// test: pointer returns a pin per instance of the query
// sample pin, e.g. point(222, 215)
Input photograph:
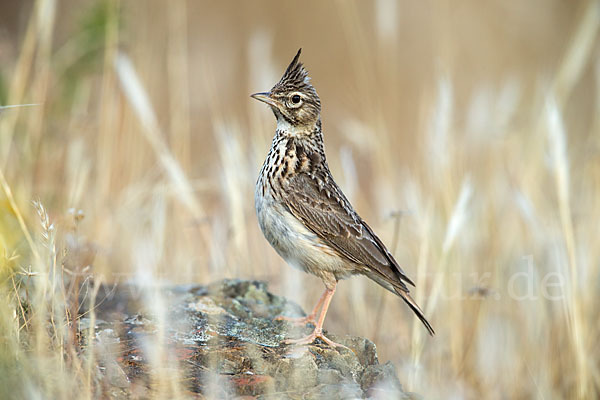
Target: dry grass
point(468, 135)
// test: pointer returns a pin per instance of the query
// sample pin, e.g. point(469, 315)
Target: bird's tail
point(416, 309)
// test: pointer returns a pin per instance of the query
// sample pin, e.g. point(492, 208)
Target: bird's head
point(293, 99)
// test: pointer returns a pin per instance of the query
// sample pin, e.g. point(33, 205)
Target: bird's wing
point(319, 203)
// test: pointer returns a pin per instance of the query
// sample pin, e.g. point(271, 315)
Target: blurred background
point(466, 133)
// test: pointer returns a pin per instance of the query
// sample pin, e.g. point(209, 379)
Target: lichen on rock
point(225, 343)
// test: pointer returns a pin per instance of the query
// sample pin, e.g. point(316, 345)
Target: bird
point(304, 214)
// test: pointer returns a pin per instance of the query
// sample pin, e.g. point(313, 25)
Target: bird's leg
point(309, 319)
point(318, 332)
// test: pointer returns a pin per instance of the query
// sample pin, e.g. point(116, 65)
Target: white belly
point(295, 243)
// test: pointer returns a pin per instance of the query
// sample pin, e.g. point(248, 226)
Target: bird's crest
point(295, 76)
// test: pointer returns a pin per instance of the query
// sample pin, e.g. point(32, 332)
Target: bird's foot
point(312, 337)
point(301, 321)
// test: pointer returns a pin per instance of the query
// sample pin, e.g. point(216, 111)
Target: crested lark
point(304, 214)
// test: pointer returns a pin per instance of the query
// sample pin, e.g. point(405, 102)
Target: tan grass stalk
point(139, 100)
point(20, 219)
point(576, 323)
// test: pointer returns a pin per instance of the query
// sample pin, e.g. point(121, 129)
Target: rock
point(222, 341)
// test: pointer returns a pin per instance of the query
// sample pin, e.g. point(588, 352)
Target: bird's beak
point(265, 97)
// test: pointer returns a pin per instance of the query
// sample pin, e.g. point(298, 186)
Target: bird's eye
point(296, 99)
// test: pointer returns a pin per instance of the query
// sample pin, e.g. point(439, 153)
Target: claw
point(311, 338)
point(318, 332)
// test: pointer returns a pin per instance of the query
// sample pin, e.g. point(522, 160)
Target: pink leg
point(318, 332)
point(309, 319)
